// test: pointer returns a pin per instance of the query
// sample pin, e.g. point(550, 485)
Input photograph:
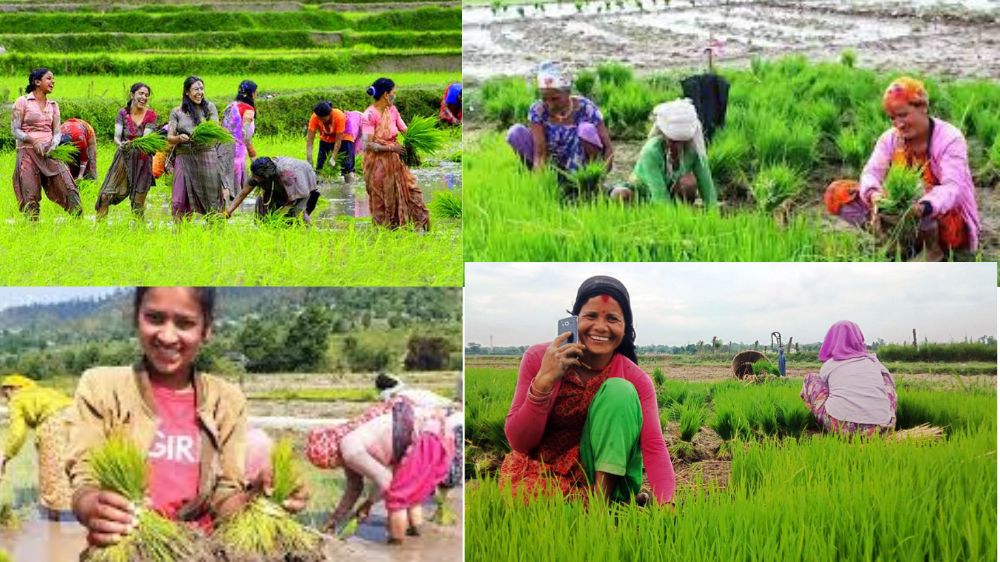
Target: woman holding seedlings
point(338, 130)
point(584, 415)
point(286, 184)
point(238, 118)
point(673, 164)
point(47, 412)
point(853, 392)
point(35, 126)
point(131, 172)
point(81, 134)
point(567, 130)
point(947, 211)
point(198, 178)
point(393, 195)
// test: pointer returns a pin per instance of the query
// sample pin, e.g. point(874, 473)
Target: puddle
point(38, 540)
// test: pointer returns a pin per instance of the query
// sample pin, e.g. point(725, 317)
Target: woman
point(393, 195)
point(584, 415)
point(198, 178)
point(47, 412)
point(568, 130)
point(81, 134)
point(338, 131)
point(405, 449)
point(238, 118)
point(451, 104)
point(35, 125)
point(286, 184)
point(192, 425)
point(853, 392)
point(673, 164)
point(131, 171)
point(947, 211)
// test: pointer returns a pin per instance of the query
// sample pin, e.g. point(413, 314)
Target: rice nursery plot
point(791, 128)
point(788, 491)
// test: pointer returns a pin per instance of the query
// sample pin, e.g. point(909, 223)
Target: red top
point(174, 457)
point(243, 108)
point(550, 433)
point(81, 133)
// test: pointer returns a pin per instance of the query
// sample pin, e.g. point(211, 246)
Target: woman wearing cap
point(286, 184)
point(451, 104)
point(853, 392)
point(238, 118)
point(673, 164)
point(567, 130)
point(47, 412)
point(584, 414)
point(949, 217)
point(393, 195)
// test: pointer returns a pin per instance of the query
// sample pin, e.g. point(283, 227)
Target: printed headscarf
point(844, 340)
point(550, 76)
point(907, 90)
point(678, 121)
point(604, 285)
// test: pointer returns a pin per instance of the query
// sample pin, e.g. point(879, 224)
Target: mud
point(959, 39)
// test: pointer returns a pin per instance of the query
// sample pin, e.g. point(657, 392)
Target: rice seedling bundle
point(727, 156)
point(210, 132)
point(775, 185)
point(902, 186)
point(65, 153)
point(765, 367)
point(692, 416)
point(148, 144)
point(614, 73)
point(422, 138)
point(119, 465)
point(585, 180)
point(263, 529)
point(627, 109)
point(852, 147)
point(446, 204)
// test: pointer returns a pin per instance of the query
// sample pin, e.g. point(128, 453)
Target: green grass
point(319, 395)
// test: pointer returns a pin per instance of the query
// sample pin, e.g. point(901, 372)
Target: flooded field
point(955, 39)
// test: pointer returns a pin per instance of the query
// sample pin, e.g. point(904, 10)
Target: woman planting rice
point(393, 195)
point(286, 184)
point(35, 124)
point(405, 449)
point(947, 212)
point(81, 134)
point(197, 175)
point(567, 130)
point(451, 104)
point(238, 118)
point(131, 171)
point(673, 164)
point(584, 414)
point(338, 130)
point(853, 392)
point(48, 412)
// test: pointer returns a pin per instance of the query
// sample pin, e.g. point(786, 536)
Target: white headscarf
point(678, 121)
point(551, 76)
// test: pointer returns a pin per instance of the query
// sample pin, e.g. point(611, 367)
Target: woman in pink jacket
point(949, 218)
point(584, 414)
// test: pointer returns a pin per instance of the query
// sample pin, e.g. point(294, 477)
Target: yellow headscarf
point(905, 89)
point(17, 381)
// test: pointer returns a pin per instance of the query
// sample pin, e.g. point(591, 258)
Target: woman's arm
point(955, 179)
point(706, 187)
point(119, 130)
point(352, 491)
point(310, 135)
point(16, 116)
point(239, 200)
point(541, 148)
point(248, 132)
point(232, 425)
point(91, 154)
point(172, 135)
point(608, 152)
point(527, 417)
point(877, 166)
point(655, 457)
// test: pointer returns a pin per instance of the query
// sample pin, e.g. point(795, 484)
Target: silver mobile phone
point(569, 325)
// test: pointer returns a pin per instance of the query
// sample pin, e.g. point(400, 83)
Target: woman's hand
point(106, 515)
point(184, 138)
point(40, 149)
point(296, 501)
point(398, 149)
point(557, 359)
point(252, 153)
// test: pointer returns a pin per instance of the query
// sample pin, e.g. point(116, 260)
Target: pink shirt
point(949, 161)
point(352, 126)
point(371, 117)
point(526, 420)
point(36, 122)
point(176, 451)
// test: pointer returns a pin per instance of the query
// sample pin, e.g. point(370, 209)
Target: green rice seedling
point(148, 144)
point(758, 66)
point(848, 58)
point(776, 139)
point(8, 517)
point(853, 148)
point(826, 116)
point(774, 185)
point(994, 154)
point(765, 367)
point(692, 417)
point(349, 529)
point(727, 157)
point(683, 450)
point(446, 204)
point(4, 557)
point(421, 139)
point(119, 465)
point(506, 100)
point(614, 74)
point(903, 185)
point(627, 110)
point(658, 377)
point(66, 153)
point(585, 83)
point(444, 514)
point(585, 181)
point(211, 132)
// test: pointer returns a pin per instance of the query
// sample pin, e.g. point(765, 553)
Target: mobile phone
point(569, 325)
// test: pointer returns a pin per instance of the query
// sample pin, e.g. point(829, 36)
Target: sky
point(17, 296)
point(681, 303)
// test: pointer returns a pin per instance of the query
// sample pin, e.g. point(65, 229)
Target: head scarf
point(17, 381)
point(604, 285)
point(550, 76)
point(454, 94)
point(678, 121)
point(907, 90)
point(844, 340)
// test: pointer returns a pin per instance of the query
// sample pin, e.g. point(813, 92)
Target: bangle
point(536, 396)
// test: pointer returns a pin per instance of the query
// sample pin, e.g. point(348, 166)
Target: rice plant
point(66, 153)
point(765, 367)
point(148, 144)
point(691, 418)
point(853, 148)
point(585, 181)
point(210, 133)
point(421, 139)
point(727, 156)
point(506, 100)
point(627, 108)
point(902, 186)
point(774, 185)
point(658, 377)
point(585, 83)
point(446, 204)
point(614, 74)
point(848, 58)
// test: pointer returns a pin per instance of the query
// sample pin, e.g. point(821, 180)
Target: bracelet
point(536, 396)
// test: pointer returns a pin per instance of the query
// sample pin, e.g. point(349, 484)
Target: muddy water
point(37, 541)
point(959, 40)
